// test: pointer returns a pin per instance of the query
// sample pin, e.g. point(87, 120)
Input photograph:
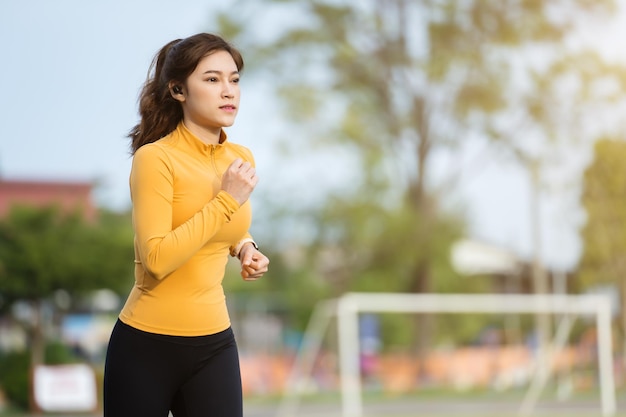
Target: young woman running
point(172, 348)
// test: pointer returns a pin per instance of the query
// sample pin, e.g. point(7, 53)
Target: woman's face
point(210, 98)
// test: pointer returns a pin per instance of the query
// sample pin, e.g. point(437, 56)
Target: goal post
point(347, 308)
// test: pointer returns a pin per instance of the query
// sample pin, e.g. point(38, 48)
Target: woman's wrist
point(236, 251)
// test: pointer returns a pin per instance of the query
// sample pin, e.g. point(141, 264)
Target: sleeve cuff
point(234, 252)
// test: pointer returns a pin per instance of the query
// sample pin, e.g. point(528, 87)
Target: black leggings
point(148, 375)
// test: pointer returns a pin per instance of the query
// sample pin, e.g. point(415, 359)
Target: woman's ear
point(176, 90)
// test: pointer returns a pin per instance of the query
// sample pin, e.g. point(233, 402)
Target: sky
point(72, 71)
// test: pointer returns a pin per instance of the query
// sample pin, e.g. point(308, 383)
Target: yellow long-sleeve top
point(185, 227)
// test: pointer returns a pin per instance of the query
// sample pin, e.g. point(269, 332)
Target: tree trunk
point(37, 348)
point(622, 321)
point(420, 279)
point(424, 323)
point(37, 336)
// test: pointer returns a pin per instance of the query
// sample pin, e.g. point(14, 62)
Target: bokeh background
point(412, 146)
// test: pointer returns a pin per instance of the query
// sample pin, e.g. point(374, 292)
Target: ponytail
point(160, 113)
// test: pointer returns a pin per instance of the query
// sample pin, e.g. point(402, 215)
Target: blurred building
point(505, 271)
point(68, 196)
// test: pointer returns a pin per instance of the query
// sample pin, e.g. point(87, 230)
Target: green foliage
point(15, 371)
point(43, 250)
point(288, 290)
point(604, 234)
point(14, 377)
point(363, 246)
point(396, 333)
point(604, 200)
point(110, 252)
point(58, 353)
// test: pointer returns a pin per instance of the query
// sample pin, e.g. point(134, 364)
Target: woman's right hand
point(239, 180)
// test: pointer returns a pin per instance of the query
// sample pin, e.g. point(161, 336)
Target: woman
point(172, 347)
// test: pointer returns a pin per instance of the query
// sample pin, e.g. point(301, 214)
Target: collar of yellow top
point(185, 135)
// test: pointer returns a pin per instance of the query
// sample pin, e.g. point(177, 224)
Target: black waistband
point(184, 340)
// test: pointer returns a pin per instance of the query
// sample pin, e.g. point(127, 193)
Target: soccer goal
point(347, 308)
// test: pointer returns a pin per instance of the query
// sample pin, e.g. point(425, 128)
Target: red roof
point(67, 195)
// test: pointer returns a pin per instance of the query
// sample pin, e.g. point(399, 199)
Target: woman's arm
point(161, 248)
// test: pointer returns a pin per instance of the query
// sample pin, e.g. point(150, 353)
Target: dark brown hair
point(160, 112)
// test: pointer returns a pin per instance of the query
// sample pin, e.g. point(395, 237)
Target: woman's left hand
point(253, 263)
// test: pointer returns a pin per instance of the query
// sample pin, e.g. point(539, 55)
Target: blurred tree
point(399, 83)
point(15, 371)
point(43, 250)
point(604, 233)
point(289, 290)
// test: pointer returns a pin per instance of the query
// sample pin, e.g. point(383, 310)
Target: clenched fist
point(239, 180)
point(253, 263)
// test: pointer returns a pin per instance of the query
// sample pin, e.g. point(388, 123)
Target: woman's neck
point(210, 136)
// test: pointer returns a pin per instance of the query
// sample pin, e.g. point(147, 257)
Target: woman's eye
point(235, 80)
point(212, 79)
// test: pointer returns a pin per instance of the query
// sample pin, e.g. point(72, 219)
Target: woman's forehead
point(219, 62)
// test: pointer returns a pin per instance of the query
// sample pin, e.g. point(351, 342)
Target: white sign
point(65, 388)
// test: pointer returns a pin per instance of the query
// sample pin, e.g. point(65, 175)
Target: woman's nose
point(227, 90)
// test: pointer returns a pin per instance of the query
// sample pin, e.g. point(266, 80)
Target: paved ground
point(443, 408)
point(440, 407)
